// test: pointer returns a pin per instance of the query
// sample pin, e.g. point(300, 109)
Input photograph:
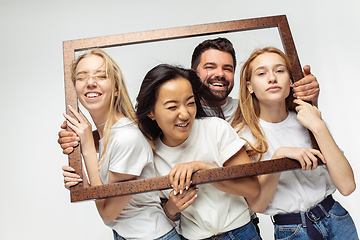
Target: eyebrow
point(277, 65)
point(174, 101)
point(85, 72)
point(212, 63)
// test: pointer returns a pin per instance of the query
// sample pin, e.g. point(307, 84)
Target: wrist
point(173, 216)
point(318, 127)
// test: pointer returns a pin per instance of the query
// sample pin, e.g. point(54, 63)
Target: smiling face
point(92, 85)
point(216, 70)
point(270, 79)
point(174, 111)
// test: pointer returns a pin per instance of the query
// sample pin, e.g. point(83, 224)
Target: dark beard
point(220, 95)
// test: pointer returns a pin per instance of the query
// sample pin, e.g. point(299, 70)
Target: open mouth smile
point(182, 125)
point(218, 82)
point(92, 95)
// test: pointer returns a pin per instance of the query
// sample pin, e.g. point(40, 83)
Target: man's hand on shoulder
point(67, 140)
point(307, 88)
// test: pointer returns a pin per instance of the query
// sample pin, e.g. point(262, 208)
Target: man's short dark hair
point(221, 44)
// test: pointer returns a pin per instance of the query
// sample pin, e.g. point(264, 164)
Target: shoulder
point(127, 134)
point(245, 132)
point(233, 101)
point(216, 128)
point(212, 124)
point(212, 121)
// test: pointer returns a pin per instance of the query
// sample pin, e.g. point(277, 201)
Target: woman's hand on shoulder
point(306, 156)
point(70, 178)
point(180, 175)
point(308, 115)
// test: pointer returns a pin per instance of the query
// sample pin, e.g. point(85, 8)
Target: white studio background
point(34, 203)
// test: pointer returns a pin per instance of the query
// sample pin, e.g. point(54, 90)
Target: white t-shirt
point(212, 140)
point(228, 108)
point(128, 152)
point(297, 190)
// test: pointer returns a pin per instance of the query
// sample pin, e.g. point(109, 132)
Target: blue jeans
point(246, 232)
point(336, 225)
point(172, 235)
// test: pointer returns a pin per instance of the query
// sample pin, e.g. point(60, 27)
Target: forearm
point(246, 187)
point(338, 166)
point(268, 185)
point(110, 208)
point(92, 166)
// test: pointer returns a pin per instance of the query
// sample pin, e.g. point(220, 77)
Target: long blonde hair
point(248, 110)
point(120, 103)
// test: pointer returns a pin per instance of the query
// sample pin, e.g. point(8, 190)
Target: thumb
point(306, 69)
point(64, 125)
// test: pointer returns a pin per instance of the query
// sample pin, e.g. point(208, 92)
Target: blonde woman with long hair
point(125, 154)
point(275, 126)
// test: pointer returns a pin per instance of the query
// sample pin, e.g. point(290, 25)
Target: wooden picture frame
point(79, 192)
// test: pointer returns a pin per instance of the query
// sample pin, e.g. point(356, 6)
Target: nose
point(183, 113)
point(272, 78)
point(219, 72)
point(91, 82)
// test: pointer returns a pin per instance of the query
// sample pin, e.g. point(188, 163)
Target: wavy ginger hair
point(120, 103)
point(248, 110)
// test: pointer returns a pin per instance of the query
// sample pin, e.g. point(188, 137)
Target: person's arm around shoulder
point(339, 169)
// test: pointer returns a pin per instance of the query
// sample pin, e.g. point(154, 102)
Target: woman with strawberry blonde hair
point(276, 126)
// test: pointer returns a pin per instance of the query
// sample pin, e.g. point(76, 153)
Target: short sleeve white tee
point(128, 152)
point(228, 108)
point(212, 140)
point(297, 190)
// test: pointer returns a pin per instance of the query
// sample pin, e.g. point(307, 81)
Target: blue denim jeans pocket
point(291, 231)
point(340, 224)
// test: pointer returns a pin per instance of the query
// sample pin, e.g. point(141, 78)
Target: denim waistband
point(224, 234)
point(308, 218)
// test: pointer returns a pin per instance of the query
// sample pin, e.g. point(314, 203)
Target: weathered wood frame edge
point(80, 193)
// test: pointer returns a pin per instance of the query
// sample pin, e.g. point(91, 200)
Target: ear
point(116, 92)
point(249, 87)
point(151, 115)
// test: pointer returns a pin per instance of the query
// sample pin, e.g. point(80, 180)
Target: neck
point(273, 113)
point(223, 102)
point(101, 118)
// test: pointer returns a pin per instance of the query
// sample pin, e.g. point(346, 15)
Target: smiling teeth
point(218, 84)
point(92, 95)
point(182, 125)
